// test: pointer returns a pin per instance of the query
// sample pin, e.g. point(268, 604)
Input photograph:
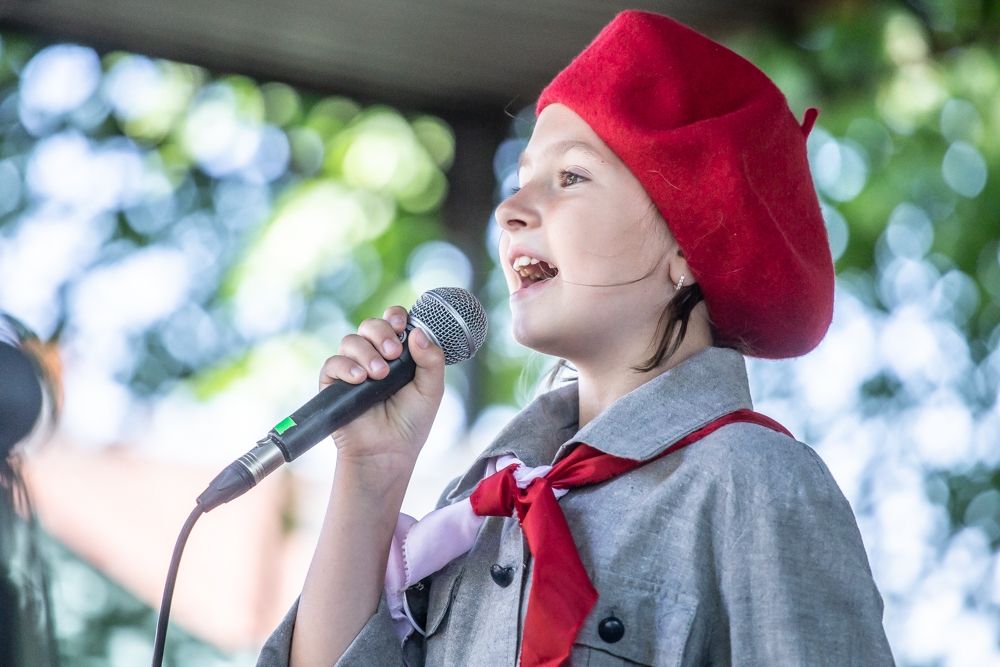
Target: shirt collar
point(638, 425)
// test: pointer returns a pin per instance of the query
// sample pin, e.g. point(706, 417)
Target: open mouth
point(532, 270)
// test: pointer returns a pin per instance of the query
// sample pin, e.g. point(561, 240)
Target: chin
point(543, 340)
point(532, 337)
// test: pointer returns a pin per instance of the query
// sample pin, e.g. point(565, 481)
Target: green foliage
point(903, 89)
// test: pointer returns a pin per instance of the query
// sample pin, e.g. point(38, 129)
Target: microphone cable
point(168, 589)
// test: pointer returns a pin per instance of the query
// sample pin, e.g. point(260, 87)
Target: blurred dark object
point(27, 630)
point(28, 385)
point(20, 397)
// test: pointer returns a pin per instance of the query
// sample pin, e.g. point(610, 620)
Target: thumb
point(429, 377)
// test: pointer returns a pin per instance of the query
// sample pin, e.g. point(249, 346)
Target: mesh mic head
point(454, 319)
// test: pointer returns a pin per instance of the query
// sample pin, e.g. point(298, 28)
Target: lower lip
point(533, 288)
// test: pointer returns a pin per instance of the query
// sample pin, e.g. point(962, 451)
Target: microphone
point(452, 318)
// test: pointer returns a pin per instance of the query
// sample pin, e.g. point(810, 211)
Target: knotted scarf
point(562, 594)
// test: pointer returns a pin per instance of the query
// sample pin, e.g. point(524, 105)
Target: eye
point(567, 178)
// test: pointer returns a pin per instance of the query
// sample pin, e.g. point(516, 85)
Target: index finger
point(397, 317)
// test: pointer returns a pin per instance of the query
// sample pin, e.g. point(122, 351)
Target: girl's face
point(581, 211)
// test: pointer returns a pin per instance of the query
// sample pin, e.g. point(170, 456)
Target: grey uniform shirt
point(738, 549)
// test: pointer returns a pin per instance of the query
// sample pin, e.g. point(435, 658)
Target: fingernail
point(397, 321)
point(357, 372)
point(422, 341)
point(389, 346)
point(377, 365)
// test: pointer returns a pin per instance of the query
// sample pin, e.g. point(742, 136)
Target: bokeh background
point(192, 242)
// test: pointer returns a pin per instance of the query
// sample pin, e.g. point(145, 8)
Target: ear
point(678, 268)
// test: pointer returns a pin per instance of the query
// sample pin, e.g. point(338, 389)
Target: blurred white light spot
point(263, 307)
point(974, 642)
point(68, 169)
point(964, 169)
point(840, 169)
point(830, 376)
point(133, 86)
point(449, 424)
point(438, 264)
point(506, 157)
point(941, 429)
point(46, 250)
point(836, 230)
point(907, 343)
point(956, 296)
point(132, 293)
point(960, 120)
point(188, 334)
point(909, 232)
point(907, 524)
point(59, 78)
point(440, 459)
point(847, 449)
point(96, 407)
point(987, 435)
point(906, 281)
point(275, 377)
point(924, 352)
point(488, 425)
point(492, 238)
point(995, 593)
point(271, 159)
point(215, 133)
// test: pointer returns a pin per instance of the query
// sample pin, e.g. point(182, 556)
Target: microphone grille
point(455, 320)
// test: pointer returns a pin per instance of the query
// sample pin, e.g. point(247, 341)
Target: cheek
point(612, 239)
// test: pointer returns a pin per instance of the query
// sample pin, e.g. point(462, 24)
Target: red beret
point(716, 147)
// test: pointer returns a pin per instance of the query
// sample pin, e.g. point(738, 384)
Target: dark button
point(502, 576)
point(611, 629)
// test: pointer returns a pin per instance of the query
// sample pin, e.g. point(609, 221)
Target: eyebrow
point(563, 147)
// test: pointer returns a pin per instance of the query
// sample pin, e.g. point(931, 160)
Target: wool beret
point(713, 142)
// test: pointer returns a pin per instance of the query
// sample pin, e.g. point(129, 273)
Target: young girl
point(666, 224)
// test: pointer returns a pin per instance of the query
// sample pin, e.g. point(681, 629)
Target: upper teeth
point(522, 261)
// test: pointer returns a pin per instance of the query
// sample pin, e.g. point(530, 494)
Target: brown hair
point(673, 323)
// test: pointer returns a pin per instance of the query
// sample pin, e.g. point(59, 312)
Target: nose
point(516, 213)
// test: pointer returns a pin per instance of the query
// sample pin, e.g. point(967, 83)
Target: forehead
point(559, 130)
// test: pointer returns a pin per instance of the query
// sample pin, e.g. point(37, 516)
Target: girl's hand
point(389, 435)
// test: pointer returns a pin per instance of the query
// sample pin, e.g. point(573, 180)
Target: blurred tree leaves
point(271, 191)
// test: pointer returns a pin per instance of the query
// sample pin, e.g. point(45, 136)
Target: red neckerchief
point(562, 594)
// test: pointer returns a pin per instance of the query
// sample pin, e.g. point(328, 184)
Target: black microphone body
point(336, 405)
point(452, 318)
point(339, 404)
